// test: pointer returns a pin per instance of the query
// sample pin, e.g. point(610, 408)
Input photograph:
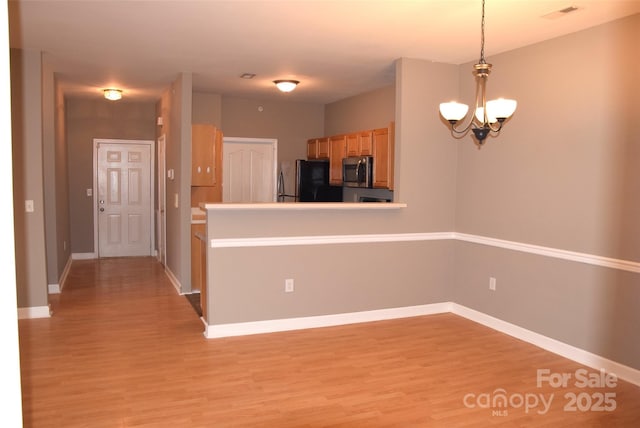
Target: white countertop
point(303, 206)
point(198, 216)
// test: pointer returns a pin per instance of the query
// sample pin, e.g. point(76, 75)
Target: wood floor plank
point(124, 350)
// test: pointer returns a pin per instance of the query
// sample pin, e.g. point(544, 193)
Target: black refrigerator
point(312, 182)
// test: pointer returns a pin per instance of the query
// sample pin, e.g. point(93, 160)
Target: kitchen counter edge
point(304, 206)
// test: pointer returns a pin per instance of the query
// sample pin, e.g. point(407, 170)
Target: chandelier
point(489, 116)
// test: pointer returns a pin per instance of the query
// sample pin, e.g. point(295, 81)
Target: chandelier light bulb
point(501, 108)
point(453, 111)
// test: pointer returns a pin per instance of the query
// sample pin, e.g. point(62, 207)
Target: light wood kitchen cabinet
point(318, 148)
point(196, 279)
point(337, 152)
point(353, 145)
point(383, 157)
point(206, 155)
point(199, 264)
point(312, 149)
point(360, 143)
point(378, 143)
point(323, 148)
point(365, 141)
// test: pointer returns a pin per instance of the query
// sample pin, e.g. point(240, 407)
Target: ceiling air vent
point(560, 13)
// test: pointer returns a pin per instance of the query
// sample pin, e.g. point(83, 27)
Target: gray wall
point(89, 118)
point(27, 133)
point(176, 107)
point(206, 108)
point(370, 110)
point(56, 183)
point(564, 173)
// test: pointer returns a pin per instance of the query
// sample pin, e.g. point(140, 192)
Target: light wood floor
point(124, 350)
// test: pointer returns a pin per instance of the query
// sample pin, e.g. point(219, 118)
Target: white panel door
point(249, 173)
point(124, 200)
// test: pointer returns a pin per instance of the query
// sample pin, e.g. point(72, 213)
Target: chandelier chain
point(482, 60)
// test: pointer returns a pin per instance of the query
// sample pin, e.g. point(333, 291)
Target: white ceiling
point(335, 48)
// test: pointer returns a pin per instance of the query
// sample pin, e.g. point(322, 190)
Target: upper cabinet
point(318, 148)
point(383, 157)
point(337, 151)
point(360, 143)
point(206, 146)
point(206, 164)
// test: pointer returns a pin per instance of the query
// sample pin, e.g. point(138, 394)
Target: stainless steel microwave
point(357, 171)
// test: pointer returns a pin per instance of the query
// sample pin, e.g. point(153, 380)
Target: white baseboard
point(34, 312)
point(271, 326)
point(57, 288)
point(578, 355)
point(174, 280)
point(84, 256)
point(65, 273)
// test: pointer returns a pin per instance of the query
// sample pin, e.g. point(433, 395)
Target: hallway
point(113, 350)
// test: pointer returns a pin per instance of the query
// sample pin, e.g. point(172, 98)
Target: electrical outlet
point(288, 285)
point(492, 284)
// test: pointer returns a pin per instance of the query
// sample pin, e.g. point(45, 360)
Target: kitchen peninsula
point(247, 244)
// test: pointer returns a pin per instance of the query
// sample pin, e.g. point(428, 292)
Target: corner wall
point(563, 174)
point(175, 108)
point(27, 134)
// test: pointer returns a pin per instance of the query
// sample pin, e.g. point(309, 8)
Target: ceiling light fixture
point(113, 94)
point(286, 85)
point(489, 116)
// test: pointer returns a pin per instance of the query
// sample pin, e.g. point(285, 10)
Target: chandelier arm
point(456, 128)
point(496, 129)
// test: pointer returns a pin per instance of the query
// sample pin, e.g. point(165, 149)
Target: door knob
point(101, 209)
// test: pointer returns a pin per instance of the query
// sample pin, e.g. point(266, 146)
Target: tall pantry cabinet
point(206, 187)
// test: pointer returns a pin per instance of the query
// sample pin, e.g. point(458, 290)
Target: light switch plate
point(28, 205)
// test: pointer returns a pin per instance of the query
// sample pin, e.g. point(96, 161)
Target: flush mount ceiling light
point(489, 116)
point(286, 85)
point(113, 94)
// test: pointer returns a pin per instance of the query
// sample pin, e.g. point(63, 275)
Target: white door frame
point(162, 200)
point(152, 145)
point(271, 141)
